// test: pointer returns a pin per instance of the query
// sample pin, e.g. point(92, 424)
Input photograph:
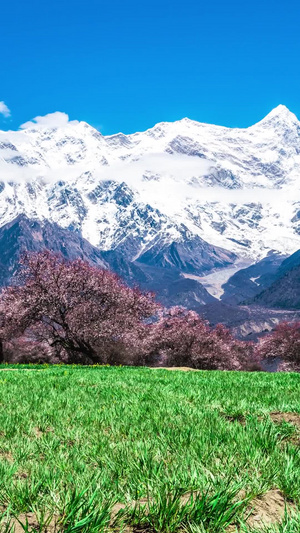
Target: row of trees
point(69, 311)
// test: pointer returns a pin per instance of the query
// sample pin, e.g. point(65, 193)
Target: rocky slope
point(23, 234)
point(248, 282)
point(284, 291)
point(246, 322)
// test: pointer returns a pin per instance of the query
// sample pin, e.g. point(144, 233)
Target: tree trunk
point(1, 351)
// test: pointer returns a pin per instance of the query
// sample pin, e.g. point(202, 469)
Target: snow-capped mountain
point(162, 195)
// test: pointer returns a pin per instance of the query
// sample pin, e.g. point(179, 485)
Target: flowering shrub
point(183, 338)
point(282, 344)
point(82, 313)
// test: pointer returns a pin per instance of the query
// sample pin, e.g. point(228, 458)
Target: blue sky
point(126, 65)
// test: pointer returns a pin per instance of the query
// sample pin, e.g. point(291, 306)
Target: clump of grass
point(85, 514)
point(169, 512)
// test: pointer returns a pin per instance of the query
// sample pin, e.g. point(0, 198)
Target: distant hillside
point(246, 283)
point(284, 292)
point(245, 321)
point(23, 234)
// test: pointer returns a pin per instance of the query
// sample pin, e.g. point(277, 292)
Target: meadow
point(90, 449)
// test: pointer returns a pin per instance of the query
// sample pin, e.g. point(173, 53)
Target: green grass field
point(137, 449)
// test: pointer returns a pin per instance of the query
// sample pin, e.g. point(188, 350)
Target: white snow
point(236, 188)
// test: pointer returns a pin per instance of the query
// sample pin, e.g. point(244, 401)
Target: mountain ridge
point(214, 193)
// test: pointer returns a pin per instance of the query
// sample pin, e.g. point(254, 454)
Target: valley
point(214, 281)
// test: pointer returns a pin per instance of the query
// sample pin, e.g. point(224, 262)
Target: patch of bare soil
point(21, 475)
point(182, 368)
point(121, 506)
point(291, 418)
point(7, 456)
point(268, 509)
point(33, 524)
point(234, 418)
point(38, 433)
point(276, 417)
point(265, 510)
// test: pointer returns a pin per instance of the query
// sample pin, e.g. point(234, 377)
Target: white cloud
point(4, 110)
point(51, 120)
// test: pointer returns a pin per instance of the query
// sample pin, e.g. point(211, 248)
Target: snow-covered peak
point(238, 188)
point(279, 115)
